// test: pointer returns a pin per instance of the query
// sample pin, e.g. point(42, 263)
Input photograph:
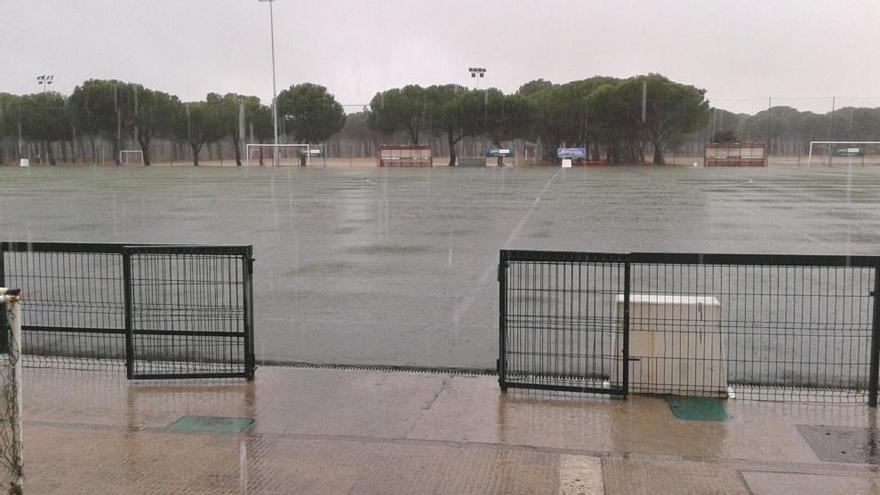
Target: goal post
point(288, 155)
point(851, 149)
point(127, 157)
point(10, 376)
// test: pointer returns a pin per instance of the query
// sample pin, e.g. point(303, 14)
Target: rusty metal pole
point(11, 299)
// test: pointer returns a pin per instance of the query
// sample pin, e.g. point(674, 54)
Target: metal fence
point(765, 327)
point(157, 311)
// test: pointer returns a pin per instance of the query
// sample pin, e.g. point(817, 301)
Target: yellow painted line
point(580, 475)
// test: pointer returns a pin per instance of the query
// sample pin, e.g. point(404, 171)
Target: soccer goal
point(286, 155)
point(131, 157)
point(11, 464)
point(848, 152)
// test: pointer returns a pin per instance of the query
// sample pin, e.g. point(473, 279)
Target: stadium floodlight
point(477, 72)
point(45, 80)
point(481, 72)
point(274, 91)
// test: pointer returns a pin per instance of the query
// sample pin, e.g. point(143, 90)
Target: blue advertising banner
point(571, 153)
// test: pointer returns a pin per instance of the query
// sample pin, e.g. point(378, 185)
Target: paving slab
point(144, 462)
point(471, 409)
point(661, 477)
point(799, 484)
point(843, 443)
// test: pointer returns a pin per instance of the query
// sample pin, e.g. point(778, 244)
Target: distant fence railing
point(766, 327)
point(156, 311)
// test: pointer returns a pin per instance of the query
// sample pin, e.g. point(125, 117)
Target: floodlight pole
point(274, 91)
point(479, 73)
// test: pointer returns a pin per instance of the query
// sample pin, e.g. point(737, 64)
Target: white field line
point(466, 303)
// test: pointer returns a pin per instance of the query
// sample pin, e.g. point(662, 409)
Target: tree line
point(112, 111)
point(787, 130)
point(619, 120)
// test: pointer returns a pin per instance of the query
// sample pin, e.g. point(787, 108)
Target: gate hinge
point(251, 266)
point(501, 267)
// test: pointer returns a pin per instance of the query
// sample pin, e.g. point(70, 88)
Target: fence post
point(4, 325)
point(875, 342)
point(129, 326)
point(502, 322)
point(2, 264)
point(11, 298)
point(250, 358)
point(626, 289)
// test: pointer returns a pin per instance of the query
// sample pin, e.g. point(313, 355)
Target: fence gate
point(751, 326)
point(188, 311)
point(563, 321)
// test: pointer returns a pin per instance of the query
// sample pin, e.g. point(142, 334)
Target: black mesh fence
point(155, 311)
point(795, 328)
point(188, 312)
point(560, 330)
point(75, 309)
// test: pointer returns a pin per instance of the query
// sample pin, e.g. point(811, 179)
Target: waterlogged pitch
point(398, 266)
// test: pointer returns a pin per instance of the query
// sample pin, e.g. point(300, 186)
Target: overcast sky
point(742, 52)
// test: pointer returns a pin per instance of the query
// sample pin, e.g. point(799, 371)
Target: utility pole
point(831, 128)
point(769, 107)
point(136, 134)
point(117, 158)
point(241, 131)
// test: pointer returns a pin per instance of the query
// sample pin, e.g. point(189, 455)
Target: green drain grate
point(697, 408)
point(211, 424)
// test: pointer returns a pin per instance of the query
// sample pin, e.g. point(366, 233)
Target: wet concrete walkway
point(347, 431)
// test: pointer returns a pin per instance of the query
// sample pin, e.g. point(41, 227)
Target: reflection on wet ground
point(396, 266)
point(349, 431)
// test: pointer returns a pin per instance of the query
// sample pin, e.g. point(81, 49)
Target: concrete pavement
point(360, 431)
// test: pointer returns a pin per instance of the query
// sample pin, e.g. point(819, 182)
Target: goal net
point(131, 157)
point(10, 387)
point(844, 153)
point(286, 155)
point(418, 155)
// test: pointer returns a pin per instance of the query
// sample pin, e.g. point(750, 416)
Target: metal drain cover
point(211, 424)
point(843, 443)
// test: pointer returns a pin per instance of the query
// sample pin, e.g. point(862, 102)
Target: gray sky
point(799, 52)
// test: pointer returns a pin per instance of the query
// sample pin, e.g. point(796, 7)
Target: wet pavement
point(397, 266)
point(351, 431)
